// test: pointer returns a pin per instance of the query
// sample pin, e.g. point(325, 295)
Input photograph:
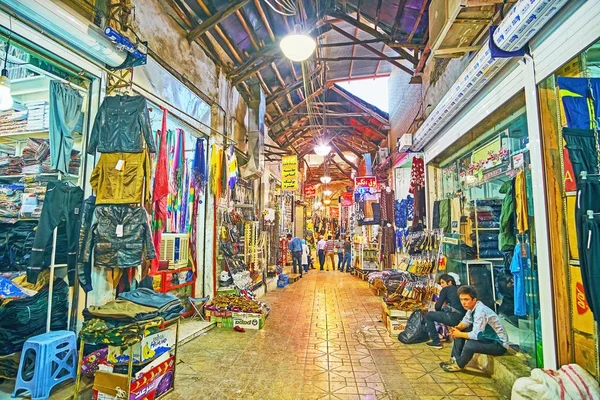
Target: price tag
point(119, 166)
point(119, 231)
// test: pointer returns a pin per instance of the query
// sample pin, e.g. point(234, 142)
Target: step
point(293, 277)
point(505, 370)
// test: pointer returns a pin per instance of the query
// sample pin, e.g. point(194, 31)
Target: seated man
point(448, 310)
point(485, 336)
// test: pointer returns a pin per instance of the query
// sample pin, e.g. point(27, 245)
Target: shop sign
point(310, 192)
point(248, 320)
point(334, 212)
point(289, 172)
point(365, 183)
point(519, 161)
point(346, 199)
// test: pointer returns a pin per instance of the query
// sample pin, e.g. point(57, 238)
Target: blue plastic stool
point(46, 361)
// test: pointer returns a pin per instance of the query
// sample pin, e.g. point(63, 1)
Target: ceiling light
point(327, 202)
point(322, 150)
point(297, 46)
point(327, 192)
point(325, 179)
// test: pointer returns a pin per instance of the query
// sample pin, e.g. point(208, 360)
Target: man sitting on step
point(480, 331)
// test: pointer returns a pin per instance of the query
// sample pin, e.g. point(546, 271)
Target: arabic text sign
point(310, 191)
point(365, 182)
point(289, 172)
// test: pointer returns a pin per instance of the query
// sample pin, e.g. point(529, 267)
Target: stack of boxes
point(394, 320)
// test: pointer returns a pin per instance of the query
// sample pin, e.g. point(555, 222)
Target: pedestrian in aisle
point(339, 250)
point(295, 246)
point(321, 251)
point(347, 261)
point(305, 256)
point(448, 310)
point(480, 331)
point(330, 252)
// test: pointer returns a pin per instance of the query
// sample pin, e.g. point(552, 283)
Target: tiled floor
point(322, 340)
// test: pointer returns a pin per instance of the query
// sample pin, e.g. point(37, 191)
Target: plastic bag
point(416, 330)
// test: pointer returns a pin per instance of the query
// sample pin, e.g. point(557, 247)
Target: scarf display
point(216, 170)
point(160, 193)
point(232, 170)
point(199, 175)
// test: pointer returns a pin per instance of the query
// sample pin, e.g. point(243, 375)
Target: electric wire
point(289, 13)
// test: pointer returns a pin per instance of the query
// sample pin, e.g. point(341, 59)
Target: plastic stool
point(46, 361)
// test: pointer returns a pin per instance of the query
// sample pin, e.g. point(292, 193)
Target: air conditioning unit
point(404, 142)
point(382, 154)
point(454, 25)
point(174, 247)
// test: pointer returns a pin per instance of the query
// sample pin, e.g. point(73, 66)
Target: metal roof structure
point(356, 39)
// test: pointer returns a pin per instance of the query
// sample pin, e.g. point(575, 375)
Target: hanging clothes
point(387, 206)
point(580, 100)
point(507, 239)
point(160, 192)
point(199, 175)
point(216, 168)
point(232, 170)
point(518, 267)
point(522, 215)
point(65, 111)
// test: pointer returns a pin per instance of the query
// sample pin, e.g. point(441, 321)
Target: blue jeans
point(340, 261)
point(65, 109)
point(347, 261)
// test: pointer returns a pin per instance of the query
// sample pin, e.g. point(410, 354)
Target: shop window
point(482, 231)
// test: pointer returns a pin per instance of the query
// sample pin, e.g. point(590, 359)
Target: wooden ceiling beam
point(243, 18)
point(240, 77)
point(293, 86)
point(353, 58)
point(264, 19)
point(342, 156)
point(220, 32)
point(375, 51)
point(353, 47)
point(417, 21)
point(361, 106)
point(214, 19)
point(399, 15)
point(353, 43)
point(289, 112)
point(343, 144)
point(375, 33)
point(378, 13)
point(282, 83)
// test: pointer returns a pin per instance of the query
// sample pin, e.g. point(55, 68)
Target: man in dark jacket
point(448, 310)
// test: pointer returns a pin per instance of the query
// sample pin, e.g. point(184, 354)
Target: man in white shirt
point(479, 332)
point(321, 251)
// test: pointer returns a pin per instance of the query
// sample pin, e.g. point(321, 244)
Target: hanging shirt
point(579, 107)
point(521, 208)
point(518, 266)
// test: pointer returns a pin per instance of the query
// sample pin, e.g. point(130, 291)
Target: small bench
point(293, 277)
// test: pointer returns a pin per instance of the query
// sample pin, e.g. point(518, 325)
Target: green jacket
point(507, 238)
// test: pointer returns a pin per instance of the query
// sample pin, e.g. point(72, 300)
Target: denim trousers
point(297, 262)
point(63, 202)
point(347, 261)
point(321, 258)
point(65, 110)
point(464, 349)
point(340, 261)
point(442, 317)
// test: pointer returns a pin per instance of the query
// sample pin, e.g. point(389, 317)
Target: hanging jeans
point(62, 202)
point(65, 110)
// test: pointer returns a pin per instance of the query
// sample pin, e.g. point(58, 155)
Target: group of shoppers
point(473, 326)
point(327, 250)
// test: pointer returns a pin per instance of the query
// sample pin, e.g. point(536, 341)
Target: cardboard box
point(395, 326)
point(150, 347)
point(248, 320)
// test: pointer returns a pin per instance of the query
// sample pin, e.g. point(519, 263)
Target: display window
point(484, 207)
point(569, 108)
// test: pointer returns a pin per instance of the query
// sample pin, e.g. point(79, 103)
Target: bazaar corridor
point(323, 339)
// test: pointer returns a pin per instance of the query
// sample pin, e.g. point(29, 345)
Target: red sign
point(582, 304)
point(346, 199)
point(334, 212)
point(366, 182)
point(310, 192)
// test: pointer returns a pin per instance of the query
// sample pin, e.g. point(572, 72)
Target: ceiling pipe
point(68, 26)
point(520, 25)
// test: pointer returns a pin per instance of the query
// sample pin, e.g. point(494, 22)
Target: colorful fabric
point(101, 332)
point(216, 170)
point(199, 173)
point(232, 171)
point(160, 191)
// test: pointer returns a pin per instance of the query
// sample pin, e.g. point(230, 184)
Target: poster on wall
point(334, 212)
point(289, 172)
point(346, 199)
point(485, 162)
point(310, 192)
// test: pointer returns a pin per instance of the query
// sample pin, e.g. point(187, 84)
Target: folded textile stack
point(9, 365)
point(26, 317)
point(35, 153)
point(10, 201)
point(38, 117)
point(13, 121)
point(124, 320)
point(11, 165)
point(16, 242)
point(33, 199)
point(75, 162)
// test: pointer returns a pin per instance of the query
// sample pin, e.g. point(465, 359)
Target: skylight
point(373, 91)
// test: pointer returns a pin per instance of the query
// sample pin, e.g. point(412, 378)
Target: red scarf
point(160, 192)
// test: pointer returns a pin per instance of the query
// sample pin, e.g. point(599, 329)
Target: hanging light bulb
point(297, 46)
point(322, 150)
point(327, 202)
point(6, 100)
point(327, 192)
point(325, 179)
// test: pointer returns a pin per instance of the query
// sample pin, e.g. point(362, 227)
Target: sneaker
point(452, 360)
point(435, 345)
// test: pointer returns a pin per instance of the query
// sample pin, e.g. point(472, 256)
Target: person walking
point(347, 261)
point(448, 310)
point(480, 331)
point(295, 246)
point(330, 252)
point(321, 251)
point(339, 250)
point(305, 256)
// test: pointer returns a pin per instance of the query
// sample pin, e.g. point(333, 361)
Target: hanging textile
point(216, 168)
point(417, 174)
point(199, 175)
point(65, 110)
point(160, 192)
point(232, 171)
